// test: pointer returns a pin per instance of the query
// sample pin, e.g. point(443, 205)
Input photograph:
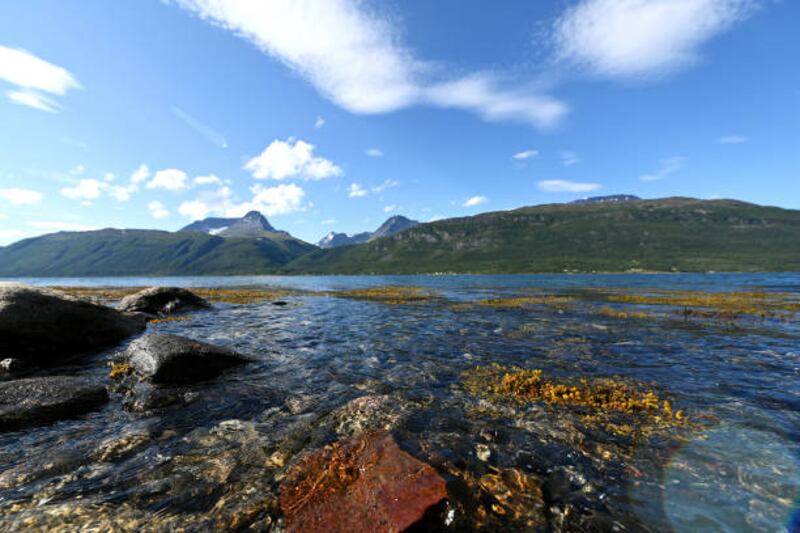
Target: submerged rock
point(359, 485)
point(162, 301)
point(35, 401)
point(170, 359)
point(44, 326)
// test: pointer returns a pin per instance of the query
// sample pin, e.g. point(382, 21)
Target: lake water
point(735, 466)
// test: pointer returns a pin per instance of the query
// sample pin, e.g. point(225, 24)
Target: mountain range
point(621, 233)
point(393, 225)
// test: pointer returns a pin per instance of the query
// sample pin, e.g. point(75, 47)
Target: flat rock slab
point(170, 359)
point(162, 301)
point(46, 327)
point(36, 401)
point(365, 484)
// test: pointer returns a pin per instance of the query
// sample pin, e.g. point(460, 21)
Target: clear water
point(740, 471)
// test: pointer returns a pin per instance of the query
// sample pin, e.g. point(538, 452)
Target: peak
point(253, 215)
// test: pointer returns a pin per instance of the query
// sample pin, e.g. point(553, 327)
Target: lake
point(723, 349)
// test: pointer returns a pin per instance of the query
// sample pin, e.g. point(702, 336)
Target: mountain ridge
point(392, 225)
point(668, 234)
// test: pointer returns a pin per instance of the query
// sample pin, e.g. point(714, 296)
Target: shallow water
point(734, 468)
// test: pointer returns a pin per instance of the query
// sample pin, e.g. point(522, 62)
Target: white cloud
point(291, 159)
point(108, 176)
point(122, 193)
point(170, 179)
point(356, 191)
point(86, 189)
point(627, 38)
point(33, 76)
point(140, 174)
point(387, 184)
point(525, 154)
point(328, 222)
point(319, 122)
point(476, 200)
point(374, 152)
point(732, 139)
point(568, 158)
point(355, 58)
point(389, 208)
point(211, 179)
point(670, 165)
point(566, 186)
point(280, 200)
point(157, 210)
point(16, 196)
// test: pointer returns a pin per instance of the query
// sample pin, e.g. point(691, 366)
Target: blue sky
point(335, 114)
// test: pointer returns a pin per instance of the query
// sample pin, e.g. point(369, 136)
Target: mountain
point(335, 240)
point(393, 225)
point(681, 234)
point(241, 246)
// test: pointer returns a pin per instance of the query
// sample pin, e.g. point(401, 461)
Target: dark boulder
point(170, 359)
point(162, 301)
point(36, 401)
point(365, 484)
point(44, 326)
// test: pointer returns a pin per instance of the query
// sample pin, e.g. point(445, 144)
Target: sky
point(332, 115)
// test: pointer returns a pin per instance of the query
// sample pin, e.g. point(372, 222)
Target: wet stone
point(365, 484)
point(36, 401)
point(170, 359)
point(46, 327)
point(162, 301)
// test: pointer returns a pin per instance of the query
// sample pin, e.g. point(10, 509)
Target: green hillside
point(112, 252)
point(670, 234)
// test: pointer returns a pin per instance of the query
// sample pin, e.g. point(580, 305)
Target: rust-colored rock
point(365, 484)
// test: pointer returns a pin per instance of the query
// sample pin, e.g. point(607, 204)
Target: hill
point(680, 234)
point(114, 252)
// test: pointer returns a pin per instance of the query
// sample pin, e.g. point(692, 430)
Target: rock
point(280, 303)
point(376, 412)
point(366, 484)
point(35, 401)
point(162, 301)
point(170, 359)
point(44, 326)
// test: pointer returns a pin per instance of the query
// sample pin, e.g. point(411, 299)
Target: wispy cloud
point(635, 38)
point(569, 158)
point(389, 208)
point(732, 139)
point(566, 186)
point(387, 184)
point(374, 152)
point(291, 158)
point(668, 166)
point(525, 154)
point(475, 201)
point(319, 122)
point(35, 80)
point(355, 57)
point(209, 133)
